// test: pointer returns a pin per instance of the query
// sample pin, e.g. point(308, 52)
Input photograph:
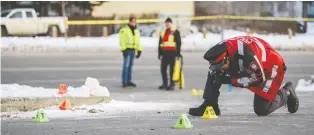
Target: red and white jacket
point(255, 65)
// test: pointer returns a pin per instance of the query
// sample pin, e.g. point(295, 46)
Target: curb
point(31, 104)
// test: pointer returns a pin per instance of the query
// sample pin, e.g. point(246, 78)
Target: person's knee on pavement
point(261, 112)
point(262, 106)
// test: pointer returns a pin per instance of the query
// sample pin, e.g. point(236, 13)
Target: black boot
point(131, 84)
point(171, 87)
point(293, 100)
point(124, 85)
point(161, 87)
point(199, 111)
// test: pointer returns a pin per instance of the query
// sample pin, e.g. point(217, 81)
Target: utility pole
point(63, 15)
point(222, 34)
point(305, 13)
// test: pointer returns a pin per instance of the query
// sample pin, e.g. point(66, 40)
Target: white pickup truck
point(24, 22)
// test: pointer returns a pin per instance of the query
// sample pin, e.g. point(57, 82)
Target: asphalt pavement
point(49, 70)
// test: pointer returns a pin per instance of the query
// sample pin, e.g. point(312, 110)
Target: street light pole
point(63, 15)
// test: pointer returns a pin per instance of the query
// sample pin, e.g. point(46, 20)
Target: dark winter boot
point(293, 100)
point(171, 87)
point(199, 111)
point(124, 85)
point(163, 86)
point(131, 84)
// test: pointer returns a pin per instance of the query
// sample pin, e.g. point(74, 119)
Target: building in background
point(157, 9)
point(307, 11)
point(116, 10)
point(121, 8)
point(252, 8)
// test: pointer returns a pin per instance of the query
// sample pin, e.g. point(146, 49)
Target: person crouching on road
point(169, 48)
point(129, 44)
point(248, 62)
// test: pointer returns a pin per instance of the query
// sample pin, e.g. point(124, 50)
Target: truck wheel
point(53, 31)
point(4, 31)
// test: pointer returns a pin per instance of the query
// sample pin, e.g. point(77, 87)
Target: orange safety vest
point(171, 43)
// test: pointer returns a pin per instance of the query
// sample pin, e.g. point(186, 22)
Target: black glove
point(138, 54)
point(178, 54)
point(159, 57)
point(124, 53)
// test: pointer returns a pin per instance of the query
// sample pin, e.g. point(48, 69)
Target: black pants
point(167, 59)
point(211, 91)
point(262, 107)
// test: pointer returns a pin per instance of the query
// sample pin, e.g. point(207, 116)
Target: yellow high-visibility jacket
point(128, 40)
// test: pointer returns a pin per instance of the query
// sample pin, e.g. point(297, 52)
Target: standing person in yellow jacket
point(169, 48)
point(129, 44)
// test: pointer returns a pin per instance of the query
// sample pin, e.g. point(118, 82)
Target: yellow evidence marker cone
point(200, 92)
point(209, 113)
point(194, 92)
point(40, 117)
point(183, 123)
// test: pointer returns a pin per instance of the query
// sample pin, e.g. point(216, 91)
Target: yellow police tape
point(97, 22)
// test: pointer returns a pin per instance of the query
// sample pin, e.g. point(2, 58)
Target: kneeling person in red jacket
point(248, 62)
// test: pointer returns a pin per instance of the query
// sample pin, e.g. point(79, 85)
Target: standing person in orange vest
point(169, 48)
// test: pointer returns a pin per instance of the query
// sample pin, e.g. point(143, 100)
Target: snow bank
point(16, 90)
point(107, 109)
point(304, 85)
point(277, 41)
point(90, 87)
point(76, 42)
point(195, 41)
point(94, 87)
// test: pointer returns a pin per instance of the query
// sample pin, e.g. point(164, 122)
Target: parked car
point(25, 22)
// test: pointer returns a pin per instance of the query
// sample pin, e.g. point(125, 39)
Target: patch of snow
point(304, 85)
point(16, 90)
point(310, 27)
point(94, 87)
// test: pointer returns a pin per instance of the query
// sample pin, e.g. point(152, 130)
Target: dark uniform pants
point(168, 59)
point(262, 107)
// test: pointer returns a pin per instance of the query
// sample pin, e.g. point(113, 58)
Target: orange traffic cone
point(66, 105)
point(62, 89)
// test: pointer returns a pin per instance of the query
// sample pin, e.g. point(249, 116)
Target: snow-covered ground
point(110, 109)
point(195, 41)
point(104, 109)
